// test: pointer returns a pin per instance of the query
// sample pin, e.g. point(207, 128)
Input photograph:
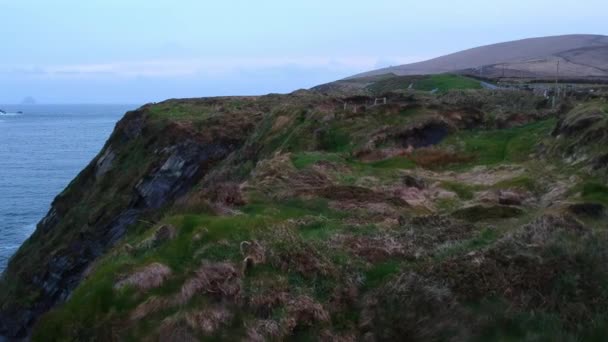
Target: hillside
point(463, 215)
point(580, 57)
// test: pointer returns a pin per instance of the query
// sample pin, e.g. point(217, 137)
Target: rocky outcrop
point(104, 163)
point(171, 179)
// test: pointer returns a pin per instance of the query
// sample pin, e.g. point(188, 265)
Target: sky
point(139, 51)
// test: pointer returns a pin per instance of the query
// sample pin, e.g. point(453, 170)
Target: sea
point(42, 149)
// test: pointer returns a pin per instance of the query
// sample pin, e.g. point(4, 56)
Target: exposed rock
point(132, 125)
point(104, 163)
point(174, 177)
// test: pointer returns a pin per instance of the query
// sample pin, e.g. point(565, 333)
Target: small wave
point(9, 247)
point(10, 114)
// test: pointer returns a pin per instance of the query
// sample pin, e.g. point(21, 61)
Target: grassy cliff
point(456, 216)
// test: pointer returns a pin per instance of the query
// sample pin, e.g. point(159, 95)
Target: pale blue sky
point(121, 51)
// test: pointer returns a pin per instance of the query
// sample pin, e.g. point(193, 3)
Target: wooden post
point(556, 92)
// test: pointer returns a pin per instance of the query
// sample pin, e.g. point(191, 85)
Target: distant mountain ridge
point(579, 56)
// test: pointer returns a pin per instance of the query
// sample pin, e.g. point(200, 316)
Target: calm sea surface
point(41, 151)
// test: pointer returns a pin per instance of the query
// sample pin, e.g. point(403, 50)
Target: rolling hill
point(579, 56)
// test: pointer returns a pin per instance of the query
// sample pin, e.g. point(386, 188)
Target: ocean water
point(41, 151)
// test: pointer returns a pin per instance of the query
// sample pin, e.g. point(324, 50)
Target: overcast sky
point(136, 51)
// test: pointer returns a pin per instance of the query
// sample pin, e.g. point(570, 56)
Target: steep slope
point(322, 216)
point(147, 162)
point(580, 56)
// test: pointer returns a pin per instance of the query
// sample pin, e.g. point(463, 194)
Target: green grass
point(89, 303)
point(595, 192)
point(320, 230)
point(381, 272)
point(491, 147)
point(392, 83)
point(446, 82)
point(305, 159)
point(335, 139)
point(183, 111)
point(96, 299)
point(394, 163)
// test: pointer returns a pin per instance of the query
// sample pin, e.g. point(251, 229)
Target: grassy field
point(445, 82)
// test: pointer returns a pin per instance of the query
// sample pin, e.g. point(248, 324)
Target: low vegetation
point(421, 217)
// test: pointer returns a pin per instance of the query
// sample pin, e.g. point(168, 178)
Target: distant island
point(28, 100)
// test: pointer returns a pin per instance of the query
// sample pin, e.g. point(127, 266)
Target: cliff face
point(145, 165)
point(325, 216)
